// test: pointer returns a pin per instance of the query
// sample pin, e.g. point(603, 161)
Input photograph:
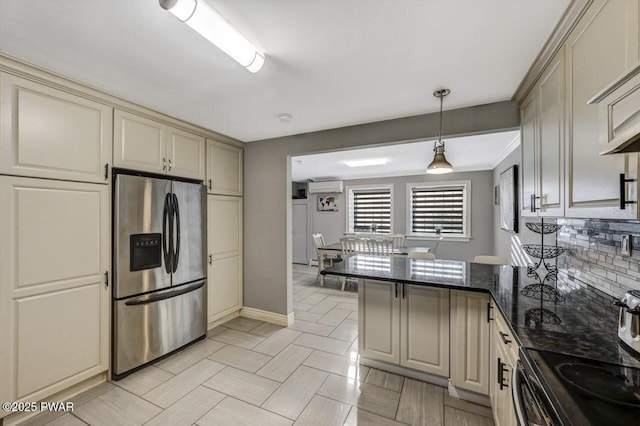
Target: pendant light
point(439, 165)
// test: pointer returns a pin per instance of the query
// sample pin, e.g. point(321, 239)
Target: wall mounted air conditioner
point(326, 187)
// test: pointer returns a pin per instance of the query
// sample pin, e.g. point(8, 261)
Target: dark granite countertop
point(581, 321)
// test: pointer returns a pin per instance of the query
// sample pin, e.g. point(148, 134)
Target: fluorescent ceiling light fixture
point(366, 162)
point(206, 21)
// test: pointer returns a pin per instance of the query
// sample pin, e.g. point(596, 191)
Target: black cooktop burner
point(586, 391)
point(612, 384)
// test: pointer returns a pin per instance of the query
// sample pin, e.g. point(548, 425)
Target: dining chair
point(421, 255)
point(350, 246)
point(398, 240)
point(318, 242)
point(491, 260)
point(380, 246)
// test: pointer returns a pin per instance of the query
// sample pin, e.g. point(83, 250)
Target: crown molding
point(48, 78)
point(558, 36)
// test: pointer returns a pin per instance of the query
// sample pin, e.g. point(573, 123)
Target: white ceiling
point(478, 152)
point(329, 63)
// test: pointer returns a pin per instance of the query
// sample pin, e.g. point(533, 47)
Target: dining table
point(333, 251)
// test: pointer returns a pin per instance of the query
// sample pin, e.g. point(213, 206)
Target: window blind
point(371, 207)
point(433, 208)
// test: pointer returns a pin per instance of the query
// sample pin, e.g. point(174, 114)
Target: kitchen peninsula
point(437, 321)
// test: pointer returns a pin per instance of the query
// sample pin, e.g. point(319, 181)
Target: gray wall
point(508, 244)
point(267, 188)
point(333, 224)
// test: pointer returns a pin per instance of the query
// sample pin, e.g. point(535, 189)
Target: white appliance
point(629, 321)
point(326, 187)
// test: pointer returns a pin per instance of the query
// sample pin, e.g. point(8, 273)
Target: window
point(439, 209)
point(370, 209)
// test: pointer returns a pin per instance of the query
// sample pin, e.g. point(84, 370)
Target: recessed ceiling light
point(285, 118)
point(366, 162)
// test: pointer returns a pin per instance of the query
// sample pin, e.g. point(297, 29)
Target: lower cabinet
point(404, 324)
point(224, 241)
point(54, 298)
point(470, 340)
point(504, 356)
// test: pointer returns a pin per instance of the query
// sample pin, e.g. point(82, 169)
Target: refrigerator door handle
point(162, 295)
point(166, 233)
point(176, 255)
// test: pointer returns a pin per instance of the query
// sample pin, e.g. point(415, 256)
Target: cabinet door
point(49, 133)
point(224, 169)
point(528, 142)
point(602, 46)
point(504, 410)
point(424, 329)
point(224, 240)
point(470, 341)
point(53, 300)
point(139, 143)
point(186, 154)
point(379, 320)
point(551, 141)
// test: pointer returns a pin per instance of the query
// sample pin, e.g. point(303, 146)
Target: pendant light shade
point(439, 165)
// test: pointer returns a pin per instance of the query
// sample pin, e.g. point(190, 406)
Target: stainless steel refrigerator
point(159, 260)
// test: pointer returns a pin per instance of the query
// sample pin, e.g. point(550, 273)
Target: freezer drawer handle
point(147, 299)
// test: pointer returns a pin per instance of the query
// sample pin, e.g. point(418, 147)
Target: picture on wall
point(509, 199)
point(327, 203)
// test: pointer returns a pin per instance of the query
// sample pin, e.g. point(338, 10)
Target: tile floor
point(249, 372)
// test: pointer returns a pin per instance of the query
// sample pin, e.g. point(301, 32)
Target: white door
point(52, 134)
point(224, 169)
point(224, 240)
point(139, 143)
point(379, 320)
point(54, 304)
point(599, 49)
point(186, 154)
point(300, 232)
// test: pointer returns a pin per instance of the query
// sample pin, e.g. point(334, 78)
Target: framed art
point(327, 203)
point(508, 199)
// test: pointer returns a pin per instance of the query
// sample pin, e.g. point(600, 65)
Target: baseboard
point(266, 316)
point(403, 371)
point(469, 396)
point(220, 320)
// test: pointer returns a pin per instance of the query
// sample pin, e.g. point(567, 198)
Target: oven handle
point(516, 393)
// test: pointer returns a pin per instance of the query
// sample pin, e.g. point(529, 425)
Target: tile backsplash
point(593, 253)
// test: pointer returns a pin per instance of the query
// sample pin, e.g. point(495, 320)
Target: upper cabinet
point(603, 45)
point(542, 138)
point(147, 145)
point(224, 169)
point(49, 133)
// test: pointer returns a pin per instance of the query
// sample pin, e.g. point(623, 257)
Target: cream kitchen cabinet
point(49, 133)
point(603, 45)
point(54, 295)
point(470, 340)
point(504, 356)
point(542, 141)
point(224, 239)
point(224, 169)
point(147, 145)
point(404, 324)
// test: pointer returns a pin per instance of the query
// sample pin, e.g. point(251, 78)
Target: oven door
point(528, 402)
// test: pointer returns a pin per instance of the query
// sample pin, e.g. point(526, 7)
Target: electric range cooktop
point(585, 391)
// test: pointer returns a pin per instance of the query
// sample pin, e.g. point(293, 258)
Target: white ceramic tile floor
point(252, 373)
